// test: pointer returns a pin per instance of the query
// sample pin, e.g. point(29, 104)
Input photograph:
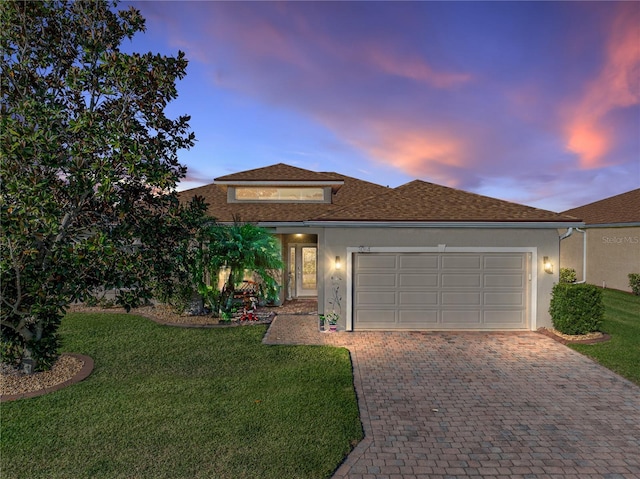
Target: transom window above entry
point(294, 194)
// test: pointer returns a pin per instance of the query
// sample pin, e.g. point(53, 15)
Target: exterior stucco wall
point(571, 255)
point(612, 253)
point(335, 241)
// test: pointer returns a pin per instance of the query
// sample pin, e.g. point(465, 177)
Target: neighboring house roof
point(428, 202)
point(622, 208)
point(360, 201)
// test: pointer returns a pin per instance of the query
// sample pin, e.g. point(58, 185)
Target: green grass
point(622, 321)
point(167, 402)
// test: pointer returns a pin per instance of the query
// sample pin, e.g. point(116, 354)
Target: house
point(416, 257)
point(607, 249)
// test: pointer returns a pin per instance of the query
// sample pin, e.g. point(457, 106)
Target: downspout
point(584, 251)
point(567, 234)
point(584, 255)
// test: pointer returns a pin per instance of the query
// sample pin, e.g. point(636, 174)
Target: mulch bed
point(166, 315)
point(69, 369)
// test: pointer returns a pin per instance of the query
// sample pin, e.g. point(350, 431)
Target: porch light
point(548, 265)
point(338, 263)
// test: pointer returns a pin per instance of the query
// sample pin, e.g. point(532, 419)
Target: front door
point(303, 263)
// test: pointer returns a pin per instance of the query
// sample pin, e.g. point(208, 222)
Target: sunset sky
point(532, 102)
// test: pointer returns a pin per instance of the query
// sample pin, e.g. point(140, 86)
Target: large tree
point(89, 164)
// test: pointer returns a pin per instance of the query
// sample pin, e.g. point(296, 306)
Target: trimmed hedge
point(576, 308)
point(634, 283)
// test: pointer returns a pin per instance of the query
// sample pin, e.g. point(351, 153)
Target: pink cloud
point(416, 69)
point(418, 151)
point(615, 87)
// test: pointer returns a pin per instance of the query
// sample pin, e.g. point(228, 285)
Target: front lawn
point(622, 321)
point(166, 402)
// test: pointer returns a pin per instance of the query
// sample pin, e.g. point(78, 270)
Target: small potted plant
point(332, 318)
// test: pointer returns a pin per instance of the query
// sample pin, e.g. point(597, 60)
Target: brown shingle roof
point(622, 208)
point(351, 191)
point(428, 202)
point(357, 200)
point(279, 172)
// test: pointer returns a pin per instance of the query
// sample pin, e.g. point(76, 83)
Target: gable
point(279, 173)
point(344, 190)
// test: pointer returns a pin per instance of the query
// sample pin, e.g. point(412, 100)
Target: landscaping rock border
point(83, 373)
point(566, 339)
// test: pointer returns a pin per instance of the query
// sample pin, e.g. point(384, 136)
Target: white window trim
point(326, 195)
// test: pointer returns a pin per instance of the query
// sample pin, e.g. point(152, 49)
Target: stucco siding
point(571, 253)
point(611, 254)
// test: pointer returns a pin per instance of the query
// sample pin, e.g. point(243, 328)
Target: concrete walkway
point(480, 405)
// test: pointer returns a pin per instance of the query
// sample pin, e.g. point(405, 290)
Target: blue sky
point(532, 102)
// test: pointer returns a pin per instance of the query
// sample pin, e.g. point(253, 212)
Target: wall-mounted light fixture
point(338, 263)
point(548, 265)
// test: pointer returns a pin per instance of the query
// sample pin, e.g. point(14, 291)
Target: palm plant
point(244, 247)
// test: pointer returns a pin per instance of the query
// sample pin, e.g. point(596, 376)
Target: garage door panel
point(376, 280)
point(376, 299)
point(418, 280)
point(504, 281)
point(514, 262)
point(375, 319)
point(460, 318)
point(418, 261)
point(501, 319)
point(453, 261)
point(411, 319)
point(408, 299)
point(460, 298)
point(376, 261)
point(461, 280)
point(430, 291)
point(504, 299)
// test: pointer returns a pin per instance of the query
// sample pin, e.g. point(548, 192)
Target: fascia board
point(611, 225)
point(279, 183)
point(446, 224)
point(270, 224)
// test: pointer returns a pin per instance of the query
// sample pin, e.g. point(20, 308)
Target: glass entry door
point(303, 265)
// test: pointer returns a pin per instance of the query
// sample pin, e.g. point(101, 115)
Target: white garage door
point(440, 291)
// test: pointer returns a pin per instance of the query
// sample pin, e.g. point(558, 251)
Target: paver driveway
point(486, 405)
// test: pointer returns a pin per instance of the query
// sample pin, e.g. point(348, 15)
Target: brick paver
point(480, 405)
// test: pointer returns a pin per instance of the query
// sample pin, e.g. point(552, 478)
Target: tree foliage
point(89, 163)
point(180, 261)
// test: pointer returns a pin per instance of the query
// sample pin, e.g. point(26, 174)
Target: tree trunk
point(28, 363)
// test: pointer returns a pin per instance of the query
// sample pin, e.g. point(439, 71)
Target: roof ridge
point(438, 203)
point(277, 172)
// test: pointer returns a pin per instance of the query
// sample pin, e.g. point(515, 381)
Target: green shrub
point(634, 283)
point(567, 275)
point(576, 308)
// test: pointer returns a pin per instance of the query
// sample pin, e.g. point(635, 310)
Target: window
point(279, 193)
